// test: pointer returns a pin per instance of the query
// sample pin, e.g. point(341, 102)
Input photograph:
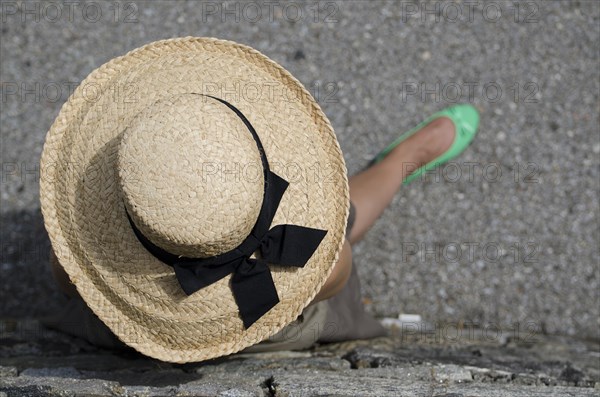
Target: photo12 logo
point(68, 11)
point(268, 11)
point(470, 251)
point(461, 331)
point(468, 11)
point(59, 91)
point(477, 172)
point(454, 92)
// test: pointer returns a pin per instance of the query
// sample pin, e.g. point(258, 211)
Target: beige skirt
point(339, 318)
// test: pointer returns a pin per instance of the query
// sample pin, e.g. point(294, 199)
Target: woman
point(337, 311)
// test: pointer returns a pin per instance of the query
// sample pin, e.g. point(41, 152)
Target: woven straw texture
point(136, 133)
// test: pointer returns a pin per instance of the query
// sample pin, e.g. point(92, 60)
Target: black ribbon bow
point(252, 284)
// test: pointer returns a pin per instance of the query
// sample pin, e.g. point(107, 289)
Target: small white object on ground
point(402, 319)
point(410, 318)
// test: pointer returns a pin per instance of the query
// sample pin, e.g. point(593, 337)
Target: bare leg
point(372, 190)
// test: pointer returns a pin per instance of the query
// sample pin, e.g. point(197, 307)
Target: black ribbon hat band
point(252, 284)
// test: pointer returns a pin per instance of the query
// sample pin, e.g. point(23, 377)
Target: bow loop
point(290, 245)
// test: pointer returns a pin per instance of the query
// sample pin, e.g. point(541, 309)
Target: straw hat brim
point(132, 292)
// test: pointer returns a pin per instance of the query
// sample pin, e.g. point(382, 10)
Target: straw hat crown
point(191, 176)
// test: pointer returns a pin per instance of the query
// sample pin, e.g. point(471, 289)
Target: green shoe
point(466, 120)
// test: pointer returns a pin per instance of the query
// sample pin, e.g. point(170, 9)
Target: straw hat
point(196, 195)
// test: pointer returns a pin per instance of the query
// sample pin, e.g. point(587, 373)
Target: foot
point(425, 145)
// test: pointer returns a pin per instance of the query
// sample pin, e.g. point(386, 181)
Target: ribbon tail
point(253, 290)
point(192, 278)
point(292, 245)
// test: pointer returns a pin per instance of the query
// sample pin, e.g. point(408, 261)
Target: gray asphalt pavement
point(505, 236)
